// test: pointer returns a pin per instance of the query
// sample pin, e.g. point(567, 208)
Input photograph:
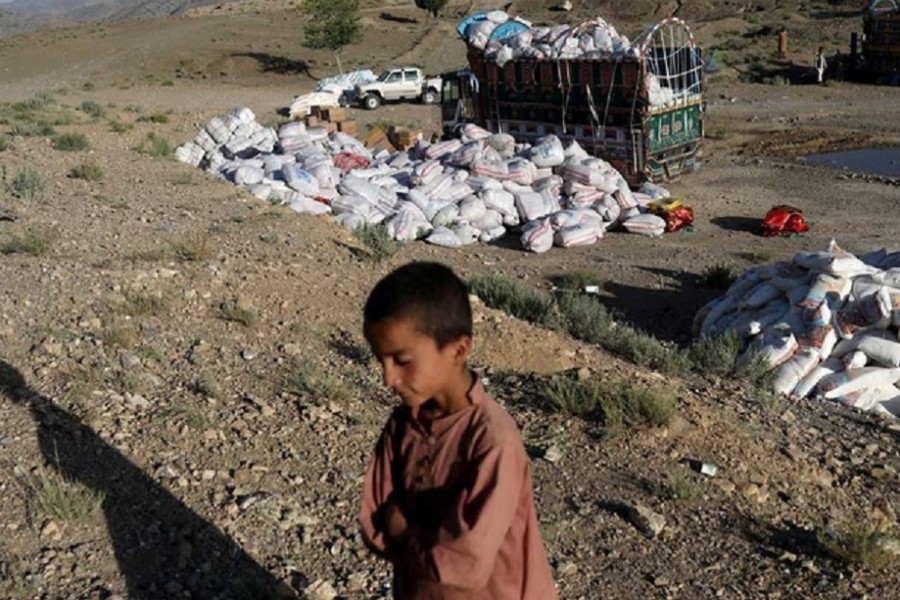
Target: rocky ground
point(189, 360)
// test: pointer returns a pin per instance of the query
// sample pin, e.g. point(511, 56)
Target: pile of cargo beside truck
point(639, 105)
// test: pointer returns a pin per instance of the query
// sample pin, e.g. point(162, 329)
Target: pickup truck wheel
point(372, 101)
point(429, 97)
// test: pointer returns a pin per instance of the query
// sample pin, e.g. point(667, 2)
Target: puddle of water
point(880, 161)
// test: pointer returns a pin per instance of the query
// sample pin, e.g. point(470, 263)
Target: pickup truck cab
point(399, 83)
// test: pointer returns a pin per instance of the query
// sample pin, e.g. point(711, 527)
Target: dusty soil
point(120, 373)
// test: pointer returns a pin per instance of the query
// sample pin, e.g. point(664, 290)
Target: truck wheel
point(429, 97)
point(372, 101)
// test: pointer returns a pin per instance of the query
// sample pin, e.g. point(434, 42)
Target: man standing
point(820, 64)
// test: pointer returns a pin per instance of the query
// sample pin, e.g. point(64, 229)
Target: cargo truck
point(642, 111)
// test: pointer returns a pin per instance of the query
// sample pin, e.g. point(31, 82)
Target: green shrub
point(716, 355)
point(94, 109)
point(31, 128)
point(71, 142)
point(27, 184)
point(141, 302)
point(39, 101)
point(4, 143)
point(32, 242)
point(516, 298)
point(862, 546)
point(577, 280)
point(117, 126)
point(155, 145)
point(627, 406)
point(238, 312)
point(571, 396)
point(87, 171)
point(717, 277)
point(376, 238)
point(154, 118)
point(584, 317)
point(644, 350)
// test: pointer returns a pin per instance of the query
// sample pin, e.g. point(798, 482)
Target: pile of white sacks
point(450, 193)
point(330, 91)
point(593, 39)
point(826, 323)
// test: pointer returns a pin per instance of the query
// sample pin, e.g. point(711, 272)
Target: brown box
point(348, 127)
point(329, 126)
point(312, 121)
point(335, 114)
point(377, 139)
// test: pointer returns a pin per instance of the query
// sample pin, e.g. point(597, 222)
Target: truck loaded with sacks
point(636, 104)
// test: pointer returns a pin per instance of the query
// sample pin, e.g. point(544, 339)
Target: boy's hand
point(395, 523)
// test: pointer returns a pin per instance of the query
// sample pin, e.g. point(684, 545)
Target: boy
point(447, 496)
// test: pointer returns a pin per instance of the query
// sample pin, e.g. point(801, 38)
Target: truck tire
point(372, 101)
point(429, 96)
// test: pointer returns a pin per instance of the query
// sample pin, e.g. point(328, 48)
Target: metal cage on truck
point(642, 112)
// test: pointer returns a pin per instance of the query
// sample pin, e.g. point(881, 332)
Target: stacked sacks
point(828, 324)
point(594, 39)
point(451, 193)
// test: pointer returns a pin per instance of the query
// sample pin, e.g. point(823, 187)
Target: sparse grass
point(33, 242)
point(154, 118)
point(380, 244)
point(306, 379)
point(87, 171)
point(93, 109)
point(716, 355)
point(207, 386)
point(238, 312)
point(716, 277)
point(60, 498)
point(681, 485)
point(862, 546)
point(150, 254)
point(194, 419)
point(717, 133)
point(515, 298)
point(183, 179)
point(617, 406)
point(644, 350)
point(88, 86)
point(14, 583)
point(197, 247)
point(111, 202)
point(4, 143)
point(114, 335)
point(758, 257)
point(142, 302)
point(71, 142)
point(27, 184)
point(117, 126)
point(39, 101)
point(155, 145)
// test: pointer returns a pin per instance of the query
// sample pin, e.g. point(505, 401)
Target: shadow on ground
point(280, 65)
point(163, 548)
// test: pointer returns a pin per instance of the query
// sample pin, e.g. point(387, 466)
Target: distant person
point(448, 494)
point(782, 43)
point(820, 64)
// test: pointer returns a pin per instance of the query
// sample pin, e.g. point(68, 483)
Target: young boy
point(447, 496)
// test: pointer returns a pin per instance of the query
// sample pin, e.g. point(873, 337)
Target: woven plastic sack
point(537, 236)
point(649, 225)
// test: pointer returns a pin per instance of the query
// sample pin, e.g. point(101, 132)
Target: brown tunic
point(463, 481)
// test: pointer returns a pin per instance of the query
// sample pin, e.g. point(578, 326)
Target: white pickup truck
point(399, 83)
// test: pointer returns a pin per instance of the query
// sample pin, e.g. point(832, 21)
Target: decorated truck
point(639, 105)
point(879, 60)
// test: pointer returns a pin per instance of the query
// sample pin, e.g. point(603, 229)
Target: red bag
point(784, 219)
point(679, 218)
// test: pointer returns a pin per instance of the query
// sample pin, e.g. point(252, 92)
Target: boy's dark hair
point(428, 292)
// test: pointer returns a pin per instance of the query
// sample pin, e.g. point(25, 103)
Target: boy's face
point(412, 364)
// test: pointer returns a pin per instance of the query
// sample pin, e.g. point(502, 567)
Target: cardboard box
point(335, 114)
point(378, 139)
point(348, 127)
point(312, 121)
point(329, 126)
